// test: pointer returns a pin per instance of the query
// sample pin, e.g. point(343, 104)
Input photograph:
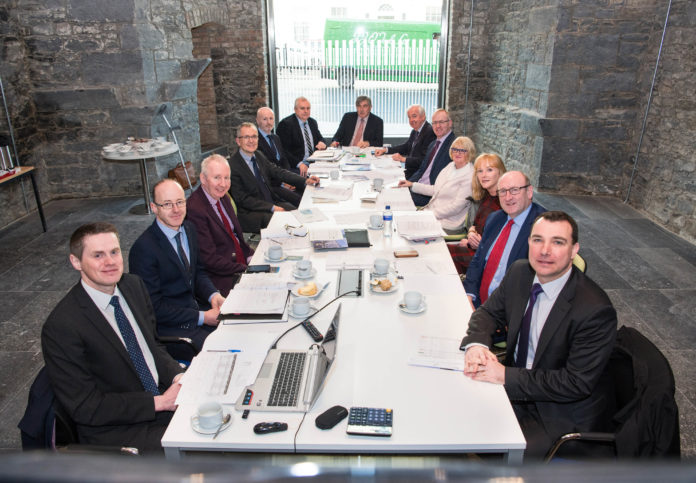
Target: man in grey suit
point(561, 332)
point(116, 382)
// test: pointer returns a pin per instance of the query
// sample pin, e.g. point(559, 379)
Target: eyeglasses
point(170, 204)
point(512, 191)
point(435, 123)
point(459, 151)
point(247, 138)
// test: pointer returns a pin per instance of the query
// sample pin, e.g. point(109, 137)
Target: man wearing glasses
point(252, 178)
point(166, 257)
point(504, 237)
point(436, 157)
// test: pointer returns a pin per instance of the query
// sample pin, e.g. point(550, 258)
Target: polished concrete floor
point(649, 274)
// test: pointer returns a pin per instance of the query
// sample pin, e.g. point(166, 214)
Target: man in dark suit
point(106, 368)
point(272, 148)
point(414, 150)
point(504, 237)
point(300, 136)
point(361, 128)
point(166, 257)
point(562, 328)
point(251, 177)
point(436, 157)
point(221, 244)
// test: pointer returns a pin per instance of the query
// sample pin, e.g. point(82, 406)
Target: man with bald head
point(220, 239)
point(269, 143)
point(166, 257)
point(300, 135)
point(413, 151)
point(504, 236)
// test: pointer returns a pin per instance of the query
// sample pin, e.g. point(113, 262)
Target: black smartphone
point(265, 268)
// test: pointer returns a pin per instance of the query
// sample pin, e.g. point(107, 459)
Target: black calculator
point(370, 421)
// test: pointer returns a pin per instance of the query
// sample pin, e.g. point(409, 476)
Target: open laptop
point(290, 381)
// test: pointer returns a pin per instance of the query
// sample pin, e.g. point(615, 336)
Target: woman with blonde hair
point(488, 168)
point(450, 195)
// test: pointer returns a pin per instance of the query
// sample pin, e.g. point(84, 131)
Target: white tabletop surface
point(435, 410)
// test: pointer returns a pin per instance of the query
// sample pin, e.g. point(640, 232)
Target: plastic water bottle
point(387, 217)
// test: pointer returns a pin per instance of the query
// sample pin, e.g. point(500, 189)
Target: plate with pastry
point(310, 290)
point(384, 284)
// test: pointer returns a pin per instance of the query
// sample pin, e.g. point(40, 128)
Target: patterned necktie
point(237, 247)
point(308, 141)
point(182, 252)
point(494, 261)
point(523, 344)
point(358, 133)
point(273, 148)
point(412, 141)
point(262, 184)
point(133, 348)
point(426, 174)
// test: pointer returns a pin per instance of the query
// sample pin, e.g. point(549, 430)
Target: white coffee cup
point(334, 174)
point(381, 266)
point(275, 252)
point(300, 306)
point(377, 184)
point(209, 415)
point(376, 221)
point(303, 267)
point(413, 300)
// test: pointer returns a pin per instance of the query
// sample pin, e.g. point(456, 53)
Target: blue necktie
point(262, 184)
point(273, 148)
point(182, 252)
point(523, 345)
point(133, 348)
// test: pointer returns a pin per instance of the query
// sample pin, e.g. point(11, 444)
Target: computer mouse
point(264, 428)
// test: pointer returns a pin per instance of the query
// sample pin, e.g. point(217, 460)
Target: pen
point(228, 350)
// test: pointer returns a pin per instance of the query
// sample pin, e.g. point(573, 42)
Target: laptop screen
point(330, 339)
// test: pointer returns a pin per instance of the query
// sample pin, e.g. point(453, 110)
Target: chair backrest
point(579, 262)
point(234, 205)
point(647, 417)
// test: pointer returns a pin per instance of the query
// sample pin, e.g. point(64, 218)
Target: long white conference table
point(435, 410)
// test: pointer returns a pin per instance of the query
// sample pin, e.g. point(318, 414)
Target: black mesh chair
point(645, 418)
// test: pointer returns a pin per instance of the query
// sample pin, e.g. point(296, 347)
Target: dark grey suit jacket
point(265, 148)
point(373, 132)
point(415, 152)
point(572, 352)
point(92, 374)
point(292, 138)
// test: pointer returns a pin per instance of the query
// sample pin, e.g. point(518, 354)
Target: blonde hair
point(463, 142)
point(487, 159)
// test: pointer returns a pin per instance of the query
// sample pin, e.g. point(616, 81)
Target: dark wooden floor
point(649, 274)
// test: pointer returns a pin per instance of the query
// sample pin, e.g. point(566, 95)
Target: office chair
point(46, 424)
point(180, 348)
point(645, 417)
point(579, 262)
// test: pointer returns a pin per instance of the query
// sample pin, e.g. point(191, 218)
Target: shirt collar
point(519, 219)
point(101, 299)
point(265, 134)
point(554, 287)
point(245, 156)
point(168, 232)
point(445, 136)
point(211, 200)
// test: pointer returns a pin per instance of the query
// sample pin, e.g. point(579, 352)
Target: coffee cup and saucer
point(304, 270)
point(300, 308)
point(209, 418)
point(274, 254)
point(413, 303)
point(376, 222)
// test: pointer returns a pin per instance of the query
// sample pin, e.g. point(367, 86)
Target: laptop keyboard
point(287, 380)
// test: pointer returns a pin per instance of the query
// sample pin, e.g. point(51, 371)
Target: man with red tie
point(221, 243)
point(504, 237)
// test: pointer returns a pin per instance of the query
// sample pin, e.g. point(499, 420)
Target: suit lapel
point(167, 248)
point(557, 316)
point(519, 307)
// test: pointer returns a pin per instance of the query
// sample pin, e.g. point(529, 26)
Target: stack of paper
point(328, 154)
point(334, 192)
point(419, 227)
point(327, 238)
point(259, 297)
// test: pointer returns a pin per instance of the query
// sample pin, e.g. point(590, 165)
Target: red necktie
point(237, 247)
point(358, 133)
point(494, 261)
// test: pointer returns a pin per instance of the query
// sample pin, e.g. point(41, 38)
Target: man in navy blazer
point(102, 387)
point(166, 257)
point(561, 332)
point(515, 193)
point(292, 131)
point(414, 150)
point(349, 130)
point(221, 244)
point(436, 157)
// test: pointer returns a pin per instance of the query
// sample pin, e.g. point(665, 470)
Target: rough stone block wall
point(665, 181)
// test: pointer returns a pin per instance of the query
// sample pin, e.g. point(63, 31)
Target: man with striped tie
point(106, 368)
point(300, 135)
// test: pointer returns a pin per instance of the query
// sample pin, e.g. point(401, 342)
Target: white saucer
point(370, 227)
point(312, 311)
point(378, 289)
point(265, 257)
point(319, 292)
point(311, 274)
point(419, 310)
point(198, 429)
